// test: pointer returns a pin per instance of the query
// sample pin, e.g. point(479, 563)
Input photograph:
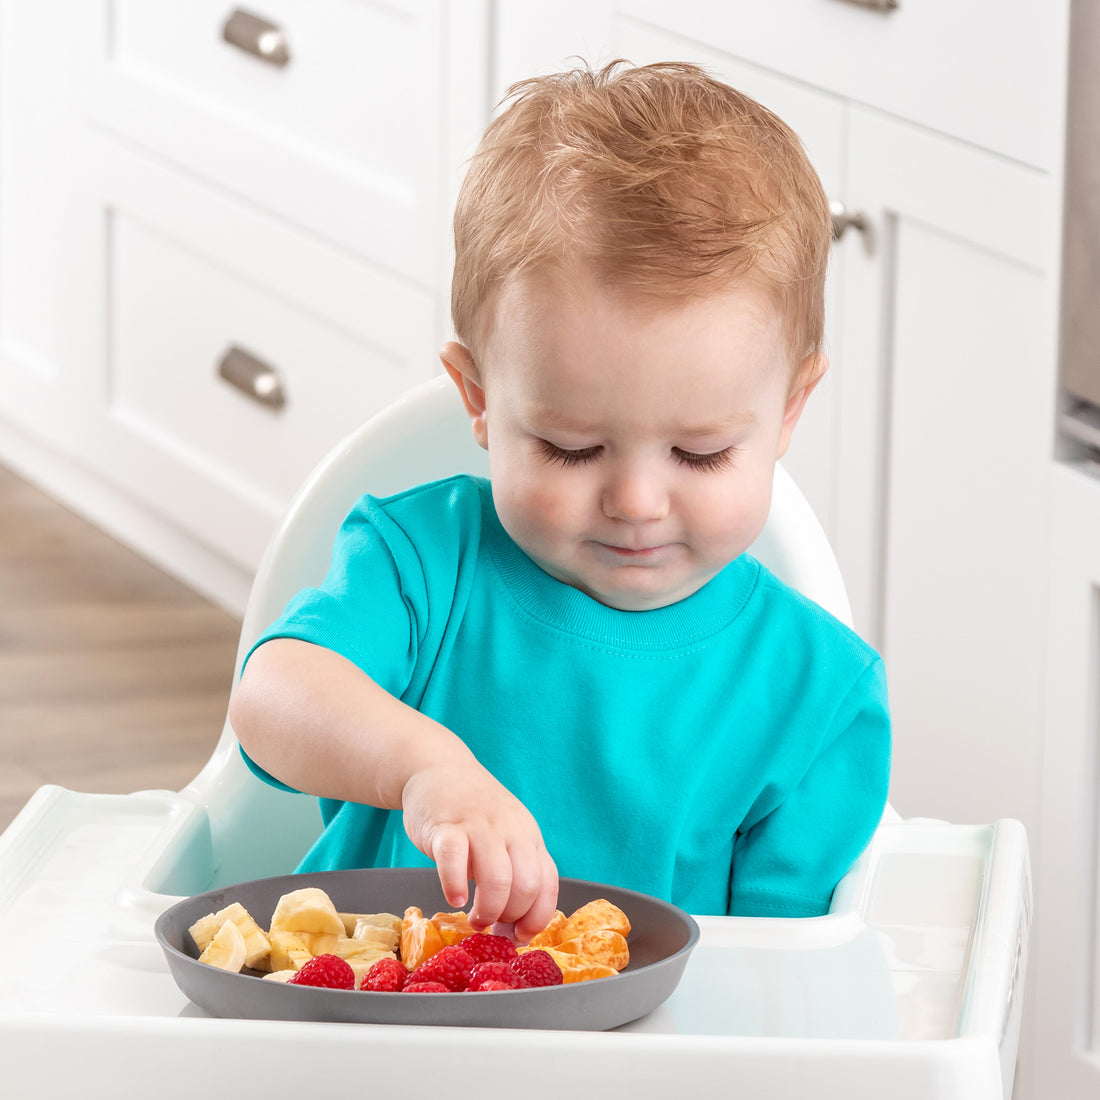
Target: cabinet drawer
point(344, 136)
point(983, 71)
point(342, 340)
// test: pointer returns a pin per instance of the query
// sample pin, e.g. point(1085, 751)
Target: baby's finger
point(451, 851)
point(492, 871)
point(542, 906)
point(529, 872)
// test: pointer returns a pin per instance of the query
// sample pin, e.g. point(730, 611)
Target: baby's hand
point(474, 828)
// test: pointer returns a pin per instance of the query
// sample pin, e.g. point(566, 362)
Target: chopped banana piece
point(226, 950)
point(288, 951)
point(257, 946)
point(353, 921)
point(307, 910)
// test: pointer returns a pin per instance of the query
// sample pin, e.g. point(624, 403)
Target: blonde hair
point(659, 177)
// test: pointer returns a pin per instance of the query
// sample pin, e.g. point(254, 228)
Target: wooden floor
point(113, 676)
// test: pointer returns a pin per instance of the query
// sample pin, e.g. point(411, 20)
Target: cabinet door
point(1067, 948)
point(948, 331)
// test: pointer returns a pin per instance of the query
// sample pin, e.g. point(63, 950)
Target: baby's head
point(659, 179)
point(638, 298)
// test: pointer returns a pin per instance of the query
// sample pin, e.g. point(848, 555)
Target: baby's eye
point(715, 460)
point(564, 457)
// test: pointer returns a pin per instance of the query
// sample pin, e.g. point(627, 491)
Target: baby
point(574, 666)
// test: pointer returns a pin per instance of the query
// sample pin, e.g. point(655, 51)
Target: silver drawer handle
point(845, 219)
point(253, 377)
point(257, 36)
point(878, 5)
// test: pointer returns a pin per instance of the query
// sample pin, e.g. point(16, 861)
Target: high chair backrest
point(426, 435)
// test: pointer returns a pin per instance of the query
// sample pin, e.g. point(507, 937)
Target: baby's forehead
point(578, 287)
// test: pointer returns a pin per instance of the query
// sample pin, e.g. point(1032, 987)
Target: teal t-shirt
point(729, 753)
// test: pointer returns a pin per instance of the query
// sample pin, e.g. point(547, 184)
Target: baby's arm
point(315, 721)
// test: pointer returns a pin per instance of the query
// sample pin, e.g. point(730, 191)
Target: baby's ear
point(460, 365)
point(806, 377)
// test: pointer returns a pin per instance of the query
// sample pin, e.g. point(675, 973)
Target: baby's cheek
point(529, 511)
point(737, 513)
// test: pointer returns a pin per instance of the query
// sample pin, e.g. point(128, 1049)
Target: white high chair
point(910, 988)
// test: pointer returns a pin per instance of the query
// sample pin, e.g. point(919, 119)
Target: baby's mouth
point(633, 552)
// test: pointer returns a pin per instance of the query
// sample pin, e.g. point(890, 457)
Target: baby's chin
point(641, 599)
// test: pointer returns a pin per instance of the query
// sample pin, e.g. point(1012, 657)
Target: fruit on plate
point(451, 966)
point(256, 943)
point(327, 971)
point(307, 910)
point(385, 976)
point(596, 915)
point(443, 952)
point(303, 927)
point(226, 950)
point(420, 938)
point(599, 945)
point(289, 951)
point(576, 968)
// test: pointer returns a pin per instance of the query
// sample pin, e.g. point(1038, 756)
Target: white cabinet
point(978, 71)
point(167, 195)
point(1067, 975)
point(960, 306)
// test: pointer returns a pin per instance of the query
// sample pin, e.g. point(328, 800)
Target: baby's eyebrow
point(717, 427)
point(553, 418)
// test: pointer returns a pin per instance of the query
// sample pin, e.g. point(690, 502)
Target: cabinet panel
point(190, 274)
point(344, 138)
point(1067, 950)
point(939, 63)
point(951, 344)
point(965, 530)
point(176, 313)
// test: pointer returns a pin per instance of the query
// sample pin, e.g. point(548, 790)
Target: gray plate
point(661, 939)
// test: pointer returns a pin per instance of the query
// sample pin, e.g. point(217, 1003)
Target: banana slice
point(289, 951)
point(307, 910)
point(226, 950)
point(257, 945)
point(354, 921)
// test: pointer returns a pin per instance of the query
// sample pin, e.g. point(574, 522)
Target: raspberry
point(488, 987)
point(451, 966)
point(329, 971)
point(485, 946)
point(385, 976)
point(537, 968)
point(496, 973)
point(425, 987)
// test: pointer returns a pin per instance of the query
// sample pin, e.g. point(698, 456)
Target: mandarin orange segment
point(453, 927)
point(576, 968)
point(601, 945)
point(598, 914)
point(420, 938)
point(588, 973)
point(550, 934)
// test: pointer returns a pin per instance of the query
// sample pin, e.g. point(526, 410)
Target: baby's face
point(632, 442)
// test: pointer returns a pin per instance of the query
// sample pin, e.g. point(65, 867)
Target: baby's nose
point(635, 496)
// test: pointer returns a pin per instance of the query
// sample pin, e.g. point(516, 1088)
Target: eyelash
point(561, 457)
point(715, 460)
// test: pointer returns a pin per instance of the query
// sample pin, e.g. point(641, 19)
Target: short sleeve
point(789, 862)
point(366, 608)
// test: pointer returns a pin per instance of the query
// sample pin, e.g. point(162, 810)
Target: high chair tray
point(908, 989)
